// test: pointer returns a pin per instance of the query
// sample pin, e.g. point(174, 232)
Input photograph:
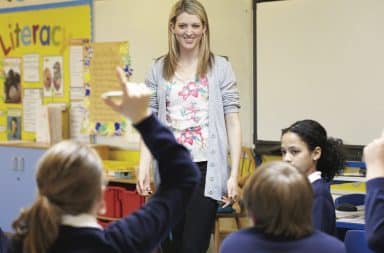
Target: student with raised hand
point(3, 242)
point(305, 145)
point(71, 185)
point(374, 200)
point(279, 199)
point(195, 93)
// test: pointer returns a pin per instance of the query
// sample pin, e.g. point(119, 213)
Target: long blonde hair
point(205, 61)
point(69, 179)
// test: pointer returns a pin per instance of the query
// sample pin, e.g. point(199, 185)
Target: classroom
point(284, 60)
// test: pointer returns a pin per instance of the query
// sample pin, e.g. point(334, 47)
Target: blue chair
point(356, 199)
point(355, 242)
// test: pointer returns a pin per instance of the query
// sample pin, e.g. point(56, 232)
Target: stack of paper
point(50, 127)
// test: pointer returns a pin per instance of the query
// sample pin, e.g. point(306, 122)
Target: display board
point(35, 66)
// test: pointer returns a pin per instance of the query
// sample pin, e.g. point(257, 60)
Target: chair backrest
point(356, 199)
point(355, 242)
point(247, 164)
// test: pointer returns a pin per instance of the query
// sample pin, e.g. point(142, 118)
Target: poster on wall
point(14, 125)
point(31, 104)
point(77, 89)
point(2, 123)
point(31, 68)
point(53, 76)
point(100, 61)
point(12, 80)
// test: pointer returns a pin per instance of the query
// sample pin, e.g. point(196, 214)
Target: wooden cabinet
point(17, 181)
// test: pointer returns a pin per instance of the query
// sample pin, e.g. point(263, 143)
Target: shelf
point(121, 180)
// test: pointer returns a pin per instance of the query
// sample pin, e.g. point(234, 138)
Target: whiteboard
point(322, 60)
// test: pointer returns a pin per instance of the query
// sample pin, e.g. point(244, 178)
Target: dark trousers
point(193, 233)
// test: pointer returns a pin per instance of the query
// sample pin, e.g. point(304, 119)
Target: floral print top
point(187, 114)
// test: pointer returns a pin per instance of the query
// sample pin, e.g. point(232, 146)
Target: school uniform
point(143, 230)
point(323, 209)
point(374, 214)
point(3, 242)
point(252, 240)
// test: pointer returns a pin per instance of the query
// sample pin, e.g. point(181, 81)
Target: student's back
point(278, 198)
point(3, 242)
point(251, 241)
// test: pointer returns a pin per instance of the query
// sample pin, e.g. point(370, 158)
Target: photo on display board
point(53, 76)
point(14, 127)
point(12, 80)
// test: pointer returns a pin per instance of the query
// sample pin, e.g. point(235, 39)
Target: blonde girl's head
point(69, 181)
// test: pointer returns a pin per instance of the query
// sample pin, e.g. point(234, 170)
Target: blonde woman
point(195, 94)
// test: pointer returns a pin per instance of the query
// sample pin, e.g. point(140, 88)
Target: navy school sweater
point(374, 214)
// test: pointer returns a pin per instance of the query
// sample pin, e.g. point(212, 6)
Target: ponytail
point(332, 159)
point(38, 226)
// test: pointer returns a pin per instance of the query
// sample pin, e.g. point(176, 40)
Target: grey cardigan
point(223, 98)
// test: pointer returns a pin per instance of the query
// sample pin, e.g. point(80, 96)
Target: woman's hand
point(232, 192)
point(143, 184)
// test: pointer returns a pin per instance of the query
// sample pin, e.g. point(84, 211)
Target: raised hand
point(134, 99)
point(374, 158)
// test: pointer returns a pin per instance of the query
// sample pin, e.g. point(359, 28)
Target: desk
point(340, 179)
point(350, 223)
point(351, 220)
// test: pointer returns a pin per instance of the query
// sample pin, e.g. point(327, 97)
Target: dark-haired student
point(70, 192)
point(374, 200)
point(278, 199)
point(306, 146)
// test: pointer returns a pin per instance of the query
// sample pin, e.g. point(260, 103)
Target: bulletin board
point(35, 61)
point(100, 62)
